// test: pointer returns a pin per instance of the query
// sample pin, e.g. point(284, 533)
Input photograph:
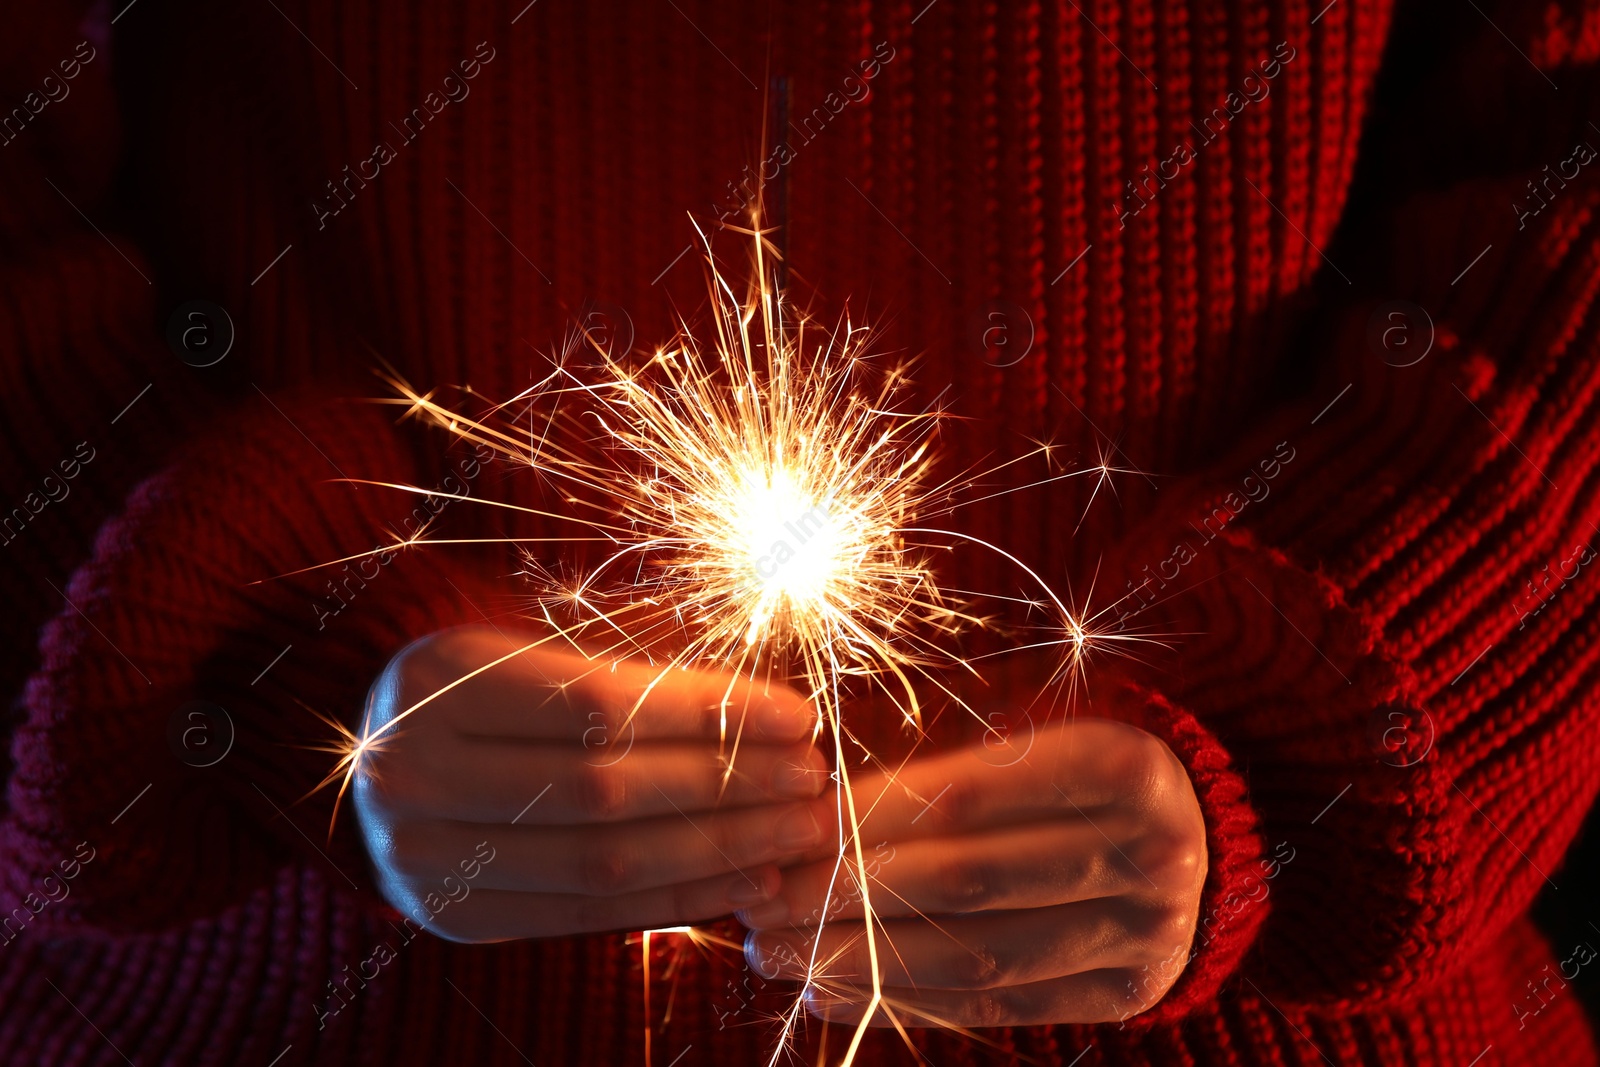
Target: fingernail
point(752, 889)
point(765, 915)
point(797, 830)
point(797, 778)
point(770, 956)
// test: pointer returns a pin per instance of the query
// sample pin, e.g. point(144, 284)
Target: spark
point(765, 503)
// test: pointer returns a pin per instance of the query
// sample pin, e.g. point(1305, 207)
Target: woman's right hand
point(530, 801)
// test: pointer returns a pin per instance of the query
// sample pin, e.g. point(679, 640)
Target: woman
point(1365, 520)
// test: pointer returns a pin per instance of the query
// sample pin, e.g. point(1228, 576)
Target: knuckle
point(421, 671)
point(1093, 870)
point(1147, 774)
point(1175, 929)
point(1020, 1005)
point(1106, 931)
point(1159, 987)
point(425, 664)
point(1158, 931)
point(979, 967)
point(988, 1007)
point(1172, 858)
point(1186, 861)
point(1121, 994)
point(965, 885)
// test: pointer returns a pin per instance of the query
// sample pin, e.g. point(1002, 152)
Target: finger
point(529, 783)
point(1081, 769)
point(608, 860)
point(541, 693)
point(1090, 997)
point(1030, 866)
point(988, 951)
point(470, 912)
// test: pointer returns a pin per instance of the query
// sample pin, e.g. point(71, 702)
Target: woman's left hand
point(1061, 887)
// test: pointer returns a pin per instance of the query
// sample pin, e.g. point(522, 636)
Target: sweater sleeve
point(1383, 608)
point(1239, 866)
point(1382, 603)
point(92, 397)
point(179, 723)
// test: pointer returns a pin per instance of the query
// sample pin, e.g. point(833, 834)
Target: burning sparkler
point(764, 504)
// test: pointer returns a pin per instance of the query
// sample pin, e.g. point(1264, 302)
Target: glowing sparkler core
point(762, 494)
point(796, 548)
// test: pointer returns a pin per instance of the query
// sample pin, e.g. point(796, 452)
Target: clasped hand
point(1026, 893)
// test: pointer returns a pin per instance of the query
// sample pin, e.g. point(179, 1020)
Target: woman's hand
point(1025, 894)
point(530, 801)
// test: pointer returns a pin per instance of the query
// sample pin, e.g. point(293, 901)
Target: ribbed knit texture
point(1215, 319)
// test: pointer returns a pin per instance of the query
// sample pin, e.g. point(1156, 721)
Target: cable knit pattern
point(1002, 156)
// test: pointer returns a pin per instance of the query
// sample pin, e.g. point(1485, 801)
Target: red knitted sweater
point(1368, 528)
